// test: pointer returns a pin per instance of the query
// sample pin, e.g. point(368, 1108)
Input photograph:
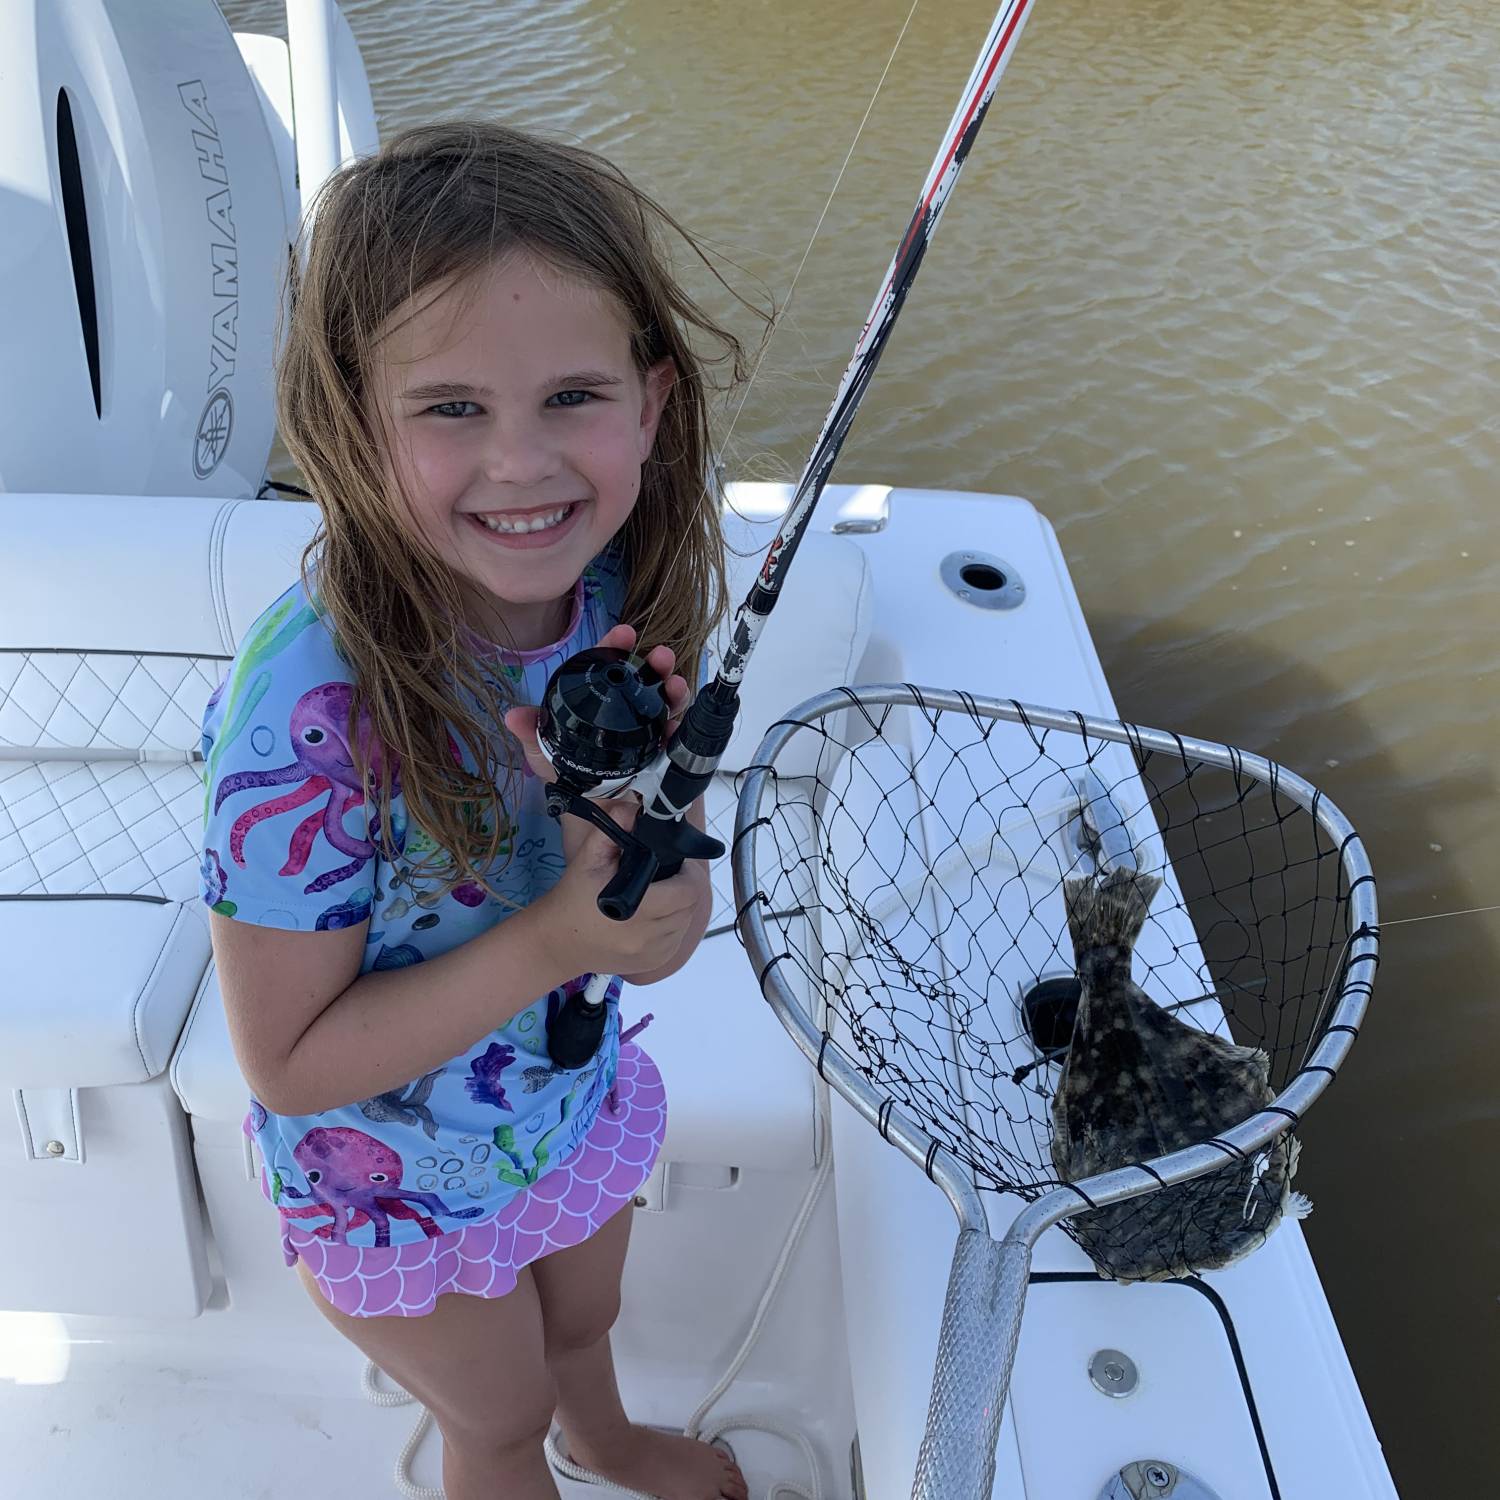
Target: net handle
point(971, 1379)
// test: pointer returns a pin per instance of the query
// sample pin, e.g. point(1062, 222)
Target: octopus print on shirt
point(290, 842)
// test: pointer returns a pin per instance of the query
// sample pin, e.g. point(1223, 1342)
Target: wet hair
point(436, 207)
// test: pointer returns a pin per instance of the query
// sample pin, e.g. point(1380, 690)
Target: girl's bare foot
point(657, 1463)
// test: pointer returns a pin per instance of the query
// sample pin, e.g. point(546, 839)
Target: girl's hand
point(650, 940)
point(672, 909)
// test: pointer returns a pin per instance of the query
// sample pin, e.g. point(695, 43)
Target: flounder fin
point(1108, 911)
point(1298, 1206)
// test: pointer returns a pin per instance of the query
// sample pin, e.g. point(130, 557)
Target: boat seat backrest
point(117, 621)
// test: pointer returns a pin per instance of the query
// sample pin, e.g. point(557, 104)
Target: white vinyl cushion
point(117, 620)
point(96, 990)
point(148, 574)
point(99, 827)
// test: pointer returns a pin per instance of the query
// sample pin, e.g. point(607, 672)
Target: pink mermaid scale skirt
point(483, 1260)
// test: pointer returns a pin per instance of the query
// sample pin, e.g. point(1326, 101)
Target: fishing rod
point(603, 716)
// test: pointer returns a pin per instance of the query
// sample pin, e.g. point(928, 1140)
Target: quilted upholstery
point(97, 793)
point(103, 700)
point(99, 827)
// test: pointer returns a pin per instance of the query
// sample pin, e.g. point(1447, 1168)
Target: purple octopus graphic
point(323, 764)
point(356, 1180)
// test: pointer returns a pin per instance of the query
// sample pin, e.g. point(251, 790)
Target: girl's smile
point(539, 527)
point(517, 425)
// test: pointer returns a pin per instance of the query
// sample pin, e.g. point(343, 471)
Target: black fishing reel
point(603, 720)
point(602, 725)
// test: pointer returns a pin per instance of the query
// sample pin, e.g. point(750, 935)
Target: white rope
point(779, 1271)
point(402, 1479)
point(565, 1468)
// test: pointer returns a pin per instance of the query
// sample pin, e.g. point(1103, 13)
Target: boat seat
point(117, 619)
point(739, 1093)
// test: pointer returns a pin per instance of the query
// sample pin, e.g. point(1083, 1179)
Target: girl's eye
point(573, 398)
point(450, 408)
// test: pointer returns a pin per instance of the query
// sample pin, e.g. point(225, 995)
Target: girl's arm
point(311, 1033)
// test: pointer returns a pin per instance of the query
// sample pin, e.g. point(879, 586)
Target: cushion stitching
point(149, 783)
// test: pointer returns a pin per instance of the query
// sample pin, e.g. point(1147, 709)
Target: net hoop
point(1345, 1010)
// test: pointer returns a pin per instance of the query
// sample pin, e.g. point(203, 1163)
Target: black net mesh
point(914, 867)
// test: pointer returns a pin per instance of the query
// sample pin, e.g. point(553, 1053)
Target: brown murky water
point(1219, 293)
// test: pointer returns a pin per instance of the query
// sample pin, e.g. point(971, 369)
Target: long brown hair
point(437, 205)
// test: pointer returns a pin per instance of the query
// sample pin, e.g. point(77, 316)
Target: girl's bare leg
point(479, 1366)
point(579, 1291)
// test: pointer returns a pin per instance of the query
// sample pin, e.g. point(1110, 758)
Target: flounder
point(1138, 1083)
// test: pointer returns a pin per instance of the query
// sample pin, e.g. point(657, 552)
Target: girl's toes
point(733, 1485)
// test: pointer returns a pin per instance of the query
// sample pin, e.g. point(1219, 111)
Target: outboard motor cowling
point(143, 248)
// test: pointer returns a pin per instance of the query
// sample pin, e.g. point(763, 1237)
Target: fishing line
point(778, 316)
point(817, 228)
point(1436, 916)
point(1467, 911)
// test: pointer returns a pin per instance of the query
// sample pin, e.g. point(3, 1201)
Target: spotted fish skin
point(1138, 1083)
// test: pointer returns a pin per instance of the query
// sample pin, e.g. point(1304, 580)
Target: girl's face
point(517, 425)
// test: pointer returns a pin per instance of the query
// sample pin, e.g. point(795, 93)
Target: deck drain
point(983, 580)
point(1113, 1373)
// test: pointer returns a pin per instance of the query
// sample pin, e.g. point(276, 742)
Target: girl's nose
point(520, 453)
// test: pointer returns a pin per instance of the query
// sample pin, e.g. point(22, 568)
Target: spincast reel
point(603, 720)
point(602, 726)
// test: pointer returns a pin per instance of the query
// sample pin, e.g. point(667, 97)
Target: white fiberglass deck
point(1244, 1383)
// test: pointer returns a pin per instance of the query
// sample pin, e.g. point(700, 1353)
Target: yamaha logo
point(214, 427)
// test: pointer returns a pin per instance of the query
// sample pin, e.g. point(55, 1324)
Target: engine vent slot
point(76, 217)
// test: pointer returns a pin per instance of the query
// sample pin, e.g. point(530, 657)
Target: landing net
point(907, 863)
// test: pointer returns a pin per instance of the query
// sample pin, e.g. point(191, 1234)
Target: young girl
point(487, 385)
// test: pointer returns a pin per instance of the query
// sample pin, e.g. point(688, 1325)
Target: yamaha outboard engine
point(143, 250)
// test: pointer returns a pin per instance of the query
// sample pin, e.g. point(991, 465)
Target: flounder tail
point(1108, 911)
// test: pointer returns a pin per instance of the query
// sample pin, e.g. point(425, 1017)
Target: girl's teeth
point(535, 523)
